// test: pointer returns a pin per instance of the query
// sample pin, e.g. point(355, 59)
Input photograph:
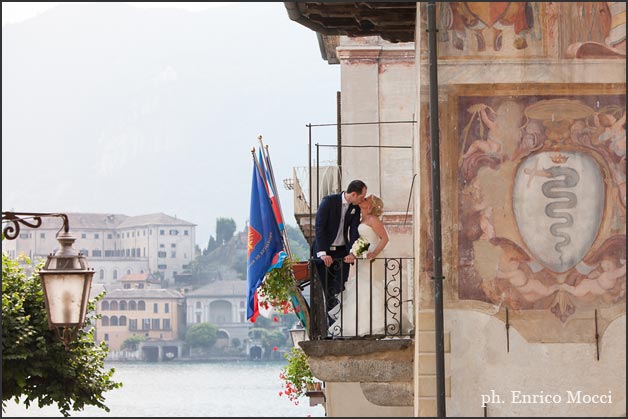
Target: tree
point(201, 335)
point(36, 367)
point(211, 245)
point(225, 227)
point(298, 244)
point(131, 343)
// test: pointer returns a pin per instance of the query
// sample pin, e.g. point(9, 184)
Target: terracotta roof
point(151, 219)
point(145, 293)
point(235, 288)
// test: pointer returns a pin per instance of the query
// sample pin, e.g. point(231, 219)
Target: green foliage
point(236, 343)
point(225, 227)
point(296, 375)
point(298, 244)
point(211, 245)
point(132, 342)
point(36, 367)
point(277, 286)
point(201, 335)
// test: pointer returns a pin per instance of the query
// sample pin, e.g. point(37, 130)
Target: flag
point(272, 193)
point(265, 247)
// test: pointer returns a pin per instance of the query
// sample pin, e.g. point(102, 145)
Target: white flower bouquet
point(360, 247)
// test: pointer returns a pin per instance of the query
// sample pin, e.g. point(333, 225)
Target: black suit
point(327, 222)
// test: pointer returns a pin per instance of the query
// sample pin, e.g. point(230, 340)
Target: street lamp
point(65, 277)
point(297, 334)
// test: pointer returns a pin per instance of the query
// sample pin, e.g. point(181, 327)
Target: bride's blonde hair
point(377, 207)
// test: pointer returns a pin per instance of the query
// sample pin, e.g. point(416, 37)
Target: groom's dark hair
point(356, 186)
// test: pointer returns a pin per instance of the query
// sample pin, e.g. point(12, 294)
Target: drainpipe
point(436, 213)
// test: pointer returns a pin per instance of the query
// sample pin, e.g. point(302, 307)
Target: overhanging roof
point(393, 21)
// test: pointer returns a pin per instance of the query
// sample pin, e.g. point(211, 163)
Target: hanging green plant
point(278, 286)
point(296, 376)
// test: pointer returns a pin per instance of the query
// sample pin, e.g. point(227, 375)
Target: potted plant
point(296, 376)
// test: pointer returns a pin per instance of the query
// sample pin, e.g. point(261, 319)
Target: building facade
point(531, 110)
point(116, 245)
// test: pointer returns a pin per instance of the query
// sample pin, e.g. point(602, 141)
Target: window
point(42, 235)
point(113, 305)
point(128, 252)
point(162, 232)
point(128, 234)
point(132, 253)
point(161, 254)
point(106, 337)
point(23, 235)
point(97, 253)
point(167, 308)
point(162, 266)
point(127, 286)
point(109, 253)
point(85, 252)
point(155, 324)
point(83, 235)
point(101, 274)
point(96, 235)
point(122, 320)
point(162, 246)
point(166, 324)
point(141, 306)
point(105, 320)
point(105, 305)
point(198, 304)
point(198, 317)
point(185, 232)
point(115, 274)
point(174, 232)
point(132, 324)
point(128, 272)
point(123, 305)
point(114, 321)
point(173, 245)
point(173, 254)
point(145, 324)
point(156, 308)
point(132, 305)
point(110, 236)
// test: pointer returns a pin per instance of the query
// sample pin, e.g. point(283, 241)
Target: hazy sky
point(108, 108)
point(15, 12)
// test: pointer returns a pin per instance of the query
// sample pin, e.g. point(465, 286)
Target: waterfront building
point(117, 245)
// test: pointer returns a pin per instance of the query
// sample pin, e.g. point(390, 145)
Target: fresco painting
point(542, 200)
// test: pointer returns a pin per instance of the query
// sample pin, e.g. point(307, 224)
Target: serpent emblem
point(564, 200)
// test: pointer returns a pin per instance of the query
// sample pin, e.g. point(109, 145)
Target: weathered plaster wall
point(480, 363)
point(538, 76)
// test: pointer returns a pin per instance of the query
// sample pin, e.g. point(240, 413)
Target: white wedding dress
point(377, 311)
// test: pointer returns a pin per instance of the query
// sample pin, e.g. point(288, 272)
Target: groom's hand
point(327, 260)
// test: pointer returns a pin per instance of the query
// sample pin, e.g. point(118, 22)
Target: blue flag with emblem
point(265, 246)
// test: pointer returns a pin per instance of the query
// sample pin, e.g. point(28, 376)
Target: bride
point(373, 317)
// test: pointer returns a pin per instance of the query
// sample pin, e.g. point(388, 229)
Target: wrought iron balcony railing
point(377, 301)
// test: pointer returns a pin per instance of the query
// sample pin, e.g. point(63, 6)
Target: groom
point(336, 229)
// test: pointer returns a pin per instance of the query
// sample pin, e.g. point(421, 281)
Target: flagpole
point(266, 155)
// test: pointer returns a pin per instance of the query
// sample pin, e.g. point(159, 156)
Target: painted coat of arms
point(542, 201)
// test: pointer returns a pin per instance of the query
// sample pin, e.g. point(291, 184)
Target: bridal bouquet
point(360, 247)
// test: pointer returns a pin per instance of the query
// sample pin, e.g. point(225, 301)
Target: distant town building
point(155, 314)
point(222, 303)
point(116, 245)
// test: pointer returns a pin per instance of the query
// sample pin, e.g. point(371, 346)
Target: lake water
point(238, 388)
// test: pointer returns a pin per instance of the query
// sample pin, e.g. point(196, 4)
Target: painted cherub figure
point(602, 280)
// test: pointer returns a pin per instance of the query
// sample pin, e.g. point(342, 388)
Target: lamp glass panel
point(64, 294)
